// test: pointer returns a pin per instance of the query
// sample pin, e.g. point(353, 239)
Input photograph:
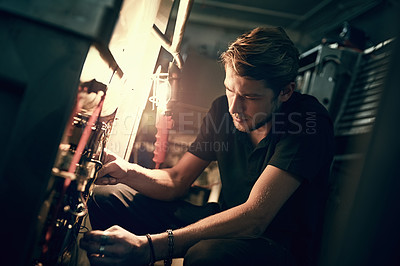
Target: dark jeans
point(123, 206)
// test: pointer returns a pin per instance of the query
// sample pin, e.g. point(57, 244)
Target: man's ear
point(287, 92)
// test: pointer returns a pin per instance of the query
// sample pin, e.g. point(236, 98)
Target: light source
point(161, 91)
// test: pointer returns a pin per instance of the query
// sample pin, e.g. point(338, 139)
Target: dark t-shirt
point(300, 142)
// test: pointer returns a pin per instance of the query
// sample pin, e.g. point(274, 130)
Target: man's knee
point(109, 196)
point(121, 205)
point(237, 252)
point(206, 252)
point(108, 205)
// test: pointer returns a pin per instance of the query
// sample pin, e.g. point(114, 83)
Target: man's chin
point(242, 127)
point(245, 127)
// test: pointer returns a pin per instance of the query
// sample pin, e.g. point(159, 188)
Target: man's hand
point(114, 170)
point(115, 246)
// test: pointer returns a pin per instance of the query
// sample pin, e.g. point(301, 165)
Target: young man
point(274, 175)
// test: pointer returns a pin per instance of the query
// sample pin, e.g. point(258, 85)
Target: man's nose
point(236, 105)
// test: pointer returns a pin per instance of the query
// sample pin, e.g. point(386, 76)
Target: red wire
point(75, 159)
point(163, 126)
point(85, 136)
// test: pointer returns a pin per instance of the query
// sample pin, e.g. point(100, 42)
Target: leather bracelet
point(168, 261)
point(152, 254)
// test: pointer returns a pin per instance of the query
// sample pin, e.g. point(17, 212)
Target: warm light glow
point(96, 68)
point(161, 91)
point(136, 50)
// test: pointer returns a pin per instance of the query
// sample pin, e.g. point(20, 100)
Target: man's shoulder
point(306, 103)
point(303, 111)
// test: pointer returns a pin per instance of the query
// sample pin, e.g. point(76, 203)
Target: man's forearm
point(154, 183)
point(161, 184)
point(237, 222)
point(247, 220)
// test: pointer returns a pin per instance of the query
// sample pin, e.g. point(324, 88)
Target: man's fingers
point(101, 243)
point(91, 246)
point(109, 169)
point(107, 174)
point(96, 241)
point(108, 156)
point(95, 236)
point(106, 180)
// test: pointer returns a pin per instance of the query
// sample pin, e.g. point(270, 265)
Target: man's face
point(251, 103)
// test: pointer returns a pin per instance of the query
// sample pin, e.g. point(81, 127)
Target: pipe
point(310, 13)
point(165, 121)
point(183, 14)
point(251, 9)
point(174, 47)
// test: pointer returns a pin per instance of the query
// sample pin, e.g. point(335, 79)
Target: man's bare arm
point(249, 219)
point(161, 184)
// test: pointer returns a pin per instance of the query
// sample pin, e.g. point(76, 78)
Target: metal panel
point(41, 63)
point(359, 109)
point(84, 17)
point(326, 73)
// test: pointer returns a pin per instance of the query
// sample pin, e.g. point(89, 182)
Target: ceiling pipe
point(345, 16)
point(309, 14)
point(250, 9)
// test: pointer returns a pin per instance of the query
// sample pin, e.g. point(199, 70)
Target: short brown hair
point(265, 53)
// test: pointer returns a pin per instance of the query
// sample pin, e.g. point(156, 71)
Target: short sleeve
point(306, 148)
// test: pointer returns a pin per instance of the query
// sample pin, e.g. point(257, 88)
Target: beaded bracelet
point(152, 254)
point(168, 261)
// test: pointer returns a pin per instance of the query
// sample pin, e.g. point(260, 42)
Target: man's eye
point(252, 98)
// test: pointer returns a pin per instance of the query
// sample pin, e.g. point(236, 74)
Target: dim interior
point(138, 77)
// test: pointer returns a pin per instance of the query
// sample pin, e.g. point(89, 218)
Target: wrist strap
point(168, 261)
point(152, 254)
